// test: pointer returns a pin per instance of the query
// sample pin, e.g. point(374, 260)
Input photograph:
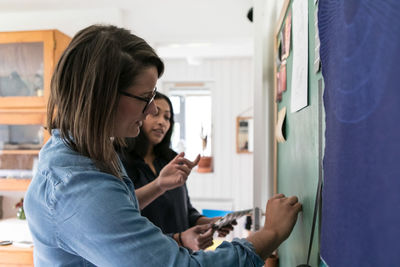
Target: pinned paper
point(299, 93)
point(279, 130)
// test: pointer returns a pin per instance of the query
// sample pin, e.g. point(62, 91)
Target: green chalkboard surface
point(297, 162)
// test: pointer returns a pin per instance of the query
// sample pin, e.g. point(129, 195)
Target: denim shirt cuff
point(250, 249)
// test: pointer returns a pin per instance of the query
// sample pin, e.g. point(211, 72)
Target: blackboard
point(298, 159)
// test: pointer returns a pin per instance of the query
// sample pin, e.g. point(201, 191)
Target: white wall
point(266, 14)
point(230, 185)
point(68, 21)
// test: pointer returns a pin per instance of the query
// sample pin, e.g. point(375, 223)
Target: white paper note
point(299, 88)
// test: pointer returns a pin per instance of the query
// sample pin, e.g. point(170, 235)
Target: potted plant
point(205, 163)
point(20, 209)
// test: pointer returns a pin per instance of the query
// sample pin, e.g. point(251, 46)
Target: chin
point(153, 140)
point(136, 133)
point(133, 133)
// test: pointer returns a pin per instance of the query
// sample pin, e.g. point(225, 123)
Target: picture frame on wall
point(244, 135)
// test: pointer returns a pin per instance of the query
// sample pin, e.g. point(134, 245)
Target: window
point(192, 113)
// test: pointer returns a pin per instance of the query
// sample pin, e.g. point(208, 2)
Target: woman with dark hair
point(81, 207)
point(143, 159)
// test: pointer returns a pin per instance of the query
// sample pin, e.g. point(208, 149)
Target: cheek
point(127, 111)
point(148, 124)
point(145, 129)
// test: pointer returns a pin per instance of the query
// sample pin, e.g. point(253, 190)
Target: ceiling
point(163, 23)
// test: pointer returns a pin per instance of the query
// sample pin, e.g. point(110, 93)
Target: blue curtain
point(360, 55)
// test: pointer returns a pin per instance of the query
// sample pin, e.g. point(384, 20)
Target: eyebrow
point(146, 94)
point(164, 110)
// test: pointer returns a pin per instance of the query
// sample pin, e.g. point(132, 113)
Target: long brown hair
point(100, 61)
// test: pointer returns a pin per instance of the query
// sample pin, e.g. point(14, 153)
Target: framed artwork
point(244, 135)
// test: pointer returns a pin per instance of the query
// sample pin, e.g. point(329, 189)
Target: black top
point(172, 211)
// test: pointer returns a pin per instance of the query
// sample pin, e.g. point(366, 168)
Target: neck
point(150, 156)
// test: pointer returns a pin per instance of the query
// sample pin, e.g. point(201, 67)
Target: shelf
point(22, 152)
point(11, 184)
point(15, 256)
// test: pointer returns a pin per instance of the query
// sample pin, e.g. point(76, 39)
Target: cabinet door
point(21, 136)
point(26, 64)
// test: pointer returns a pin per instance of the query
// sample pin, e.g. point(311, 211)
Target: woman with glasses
point(144, 158)
point(81, 207)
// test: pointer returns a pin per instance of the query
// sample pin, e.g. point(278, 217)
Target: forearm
point(264, 242)
point(148, 193)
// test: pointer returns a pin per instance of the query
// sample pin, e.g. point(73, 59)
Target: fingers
point(293, 200)
point(222, 232)
point(203, 237)
point(178, 158)
point(214, 219)
point(184, 169)
point(203, 228)
point(181, 160)
point(196, 161)
point(180, 155)
point(227, 228)
point(298, 207)
point(182, 178)
point(198, 237)
point(185, 161)
point(279, 196)
point(206, 245)
point(204, 240)
point(209, 233)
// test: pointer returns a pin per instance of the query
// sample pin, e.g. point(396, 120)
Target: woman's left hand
point(222, 232)
point(176, 172)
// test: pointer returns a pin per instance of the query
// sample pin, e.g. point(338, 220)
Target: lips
point(158, 131)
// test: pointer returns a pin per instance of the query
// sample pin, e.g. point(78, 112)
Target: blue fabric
point(215, 213)
point(79, 216)
point(360, 59)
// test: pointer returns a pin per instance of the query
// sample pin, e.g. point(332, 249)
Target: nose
point(151, 109)
point(161, 120)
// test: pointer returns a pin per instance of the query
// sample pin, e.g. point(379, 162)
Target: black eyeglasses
point(147, 100)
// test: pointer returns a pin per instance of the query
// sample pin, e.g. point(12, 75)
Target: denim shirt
point(80, 216)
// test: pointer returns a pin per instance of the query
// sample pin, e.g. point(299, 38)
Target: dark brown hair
point(100, 61)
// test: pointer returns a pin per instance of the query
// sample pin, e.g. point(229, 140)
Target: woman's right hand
point(280, 218)
point(198, 237)
point(281, 215)
point(176, 172)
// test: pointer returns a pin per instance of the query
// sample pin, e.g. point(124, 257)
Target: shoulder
point(133, 164)
point(62, 166)
point(58, 158)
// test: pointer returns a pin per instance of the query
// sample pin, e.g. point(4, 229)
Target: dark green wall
point(298, 157)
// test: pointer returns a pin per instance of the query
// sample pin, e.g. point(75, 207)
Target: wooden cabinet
point(21, 136)
point(27, 61)
point(12, 256)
